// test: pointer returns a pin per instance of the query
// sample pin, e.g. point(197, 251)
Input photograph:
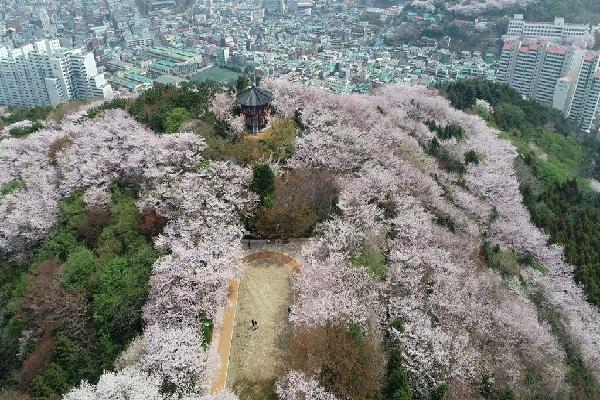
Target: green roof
point(165, 63)
point(173, 52)
point(138, 78)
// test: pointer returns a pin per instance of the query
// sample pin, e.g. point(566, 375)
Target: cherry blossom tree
point(174, 354)
point(426, 5)
point(478, 7)
point(295, 385)
point(19, 124)
point(28, 210)
point(129, 383)
point(221, 105)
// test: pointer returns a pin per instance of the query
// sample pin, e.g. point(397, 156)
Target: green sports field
point(217, 75)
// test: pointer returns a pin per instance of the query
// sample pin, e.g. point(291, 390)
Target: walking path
point(265, 288)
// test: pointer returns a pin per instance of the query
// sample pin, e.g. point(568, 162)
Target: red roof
point(597, 75)
point(507, 46)
point(534, 46)
point(557, 50)
point(591, 56)
point(524, 49)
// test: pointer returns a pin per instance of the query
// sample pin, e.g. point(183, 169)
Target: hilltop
point(423, 276)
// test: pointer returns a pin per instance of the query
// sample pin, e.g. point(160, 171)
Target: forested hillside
point(557, 172)
point(423, 275)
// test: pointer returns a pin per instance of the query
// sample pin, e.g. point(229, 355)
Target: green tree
point(263, 183)
point(51, 384)
point(471, 157)
point(77, 361)
point(397, 385)
point(175, 118)
point(118, 299)
point(79, 268)
point(461, 95)
point(509, 116)
point(439, 392)
point(242, 83)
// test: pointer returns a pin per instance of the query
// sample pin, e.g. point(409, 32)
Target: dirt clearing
point(265, 292)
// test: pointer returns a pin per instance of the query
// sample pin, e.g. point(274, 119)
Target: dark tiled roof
point(254, 97)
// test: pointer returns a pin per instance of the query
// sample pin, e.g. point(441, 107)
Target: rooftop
point(254, 97)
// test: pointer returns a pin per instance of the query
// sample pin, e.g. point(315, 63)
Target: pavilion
point(254, 103)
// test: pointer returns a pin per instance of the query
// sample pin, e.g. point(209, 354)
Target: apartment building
point(45, 74)
point(586, 94)
point(563, 77)
point(558, 62)
point(557, 30)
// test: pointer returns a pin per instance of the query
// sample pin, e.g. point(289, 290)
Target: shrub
point(446, 221)
point(433, 147)
point(91, 226)
point(300, 200)
point(373, 261)
point(47, 306)
point(22, 132)
point(471, 157)
point(36, 362)
point(398, 325)
point(79, 268)
point(451, 130)
point(397, 385)
point(151, 222)
point(504, 261)
point(347, 367)
point(263, 183)
point(11, 186)
point(389, 207)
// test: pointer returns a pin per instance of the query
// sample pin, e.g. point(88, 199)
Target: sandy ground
point(265, 292)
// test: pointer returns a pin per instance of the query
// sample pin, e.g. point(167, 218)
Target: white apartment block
point(556, 31)
point(564, 77)
point(45, 74)
point(586, 95)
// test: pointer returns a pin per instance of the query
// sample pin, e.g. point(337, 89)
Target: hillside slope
point(425, 278)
